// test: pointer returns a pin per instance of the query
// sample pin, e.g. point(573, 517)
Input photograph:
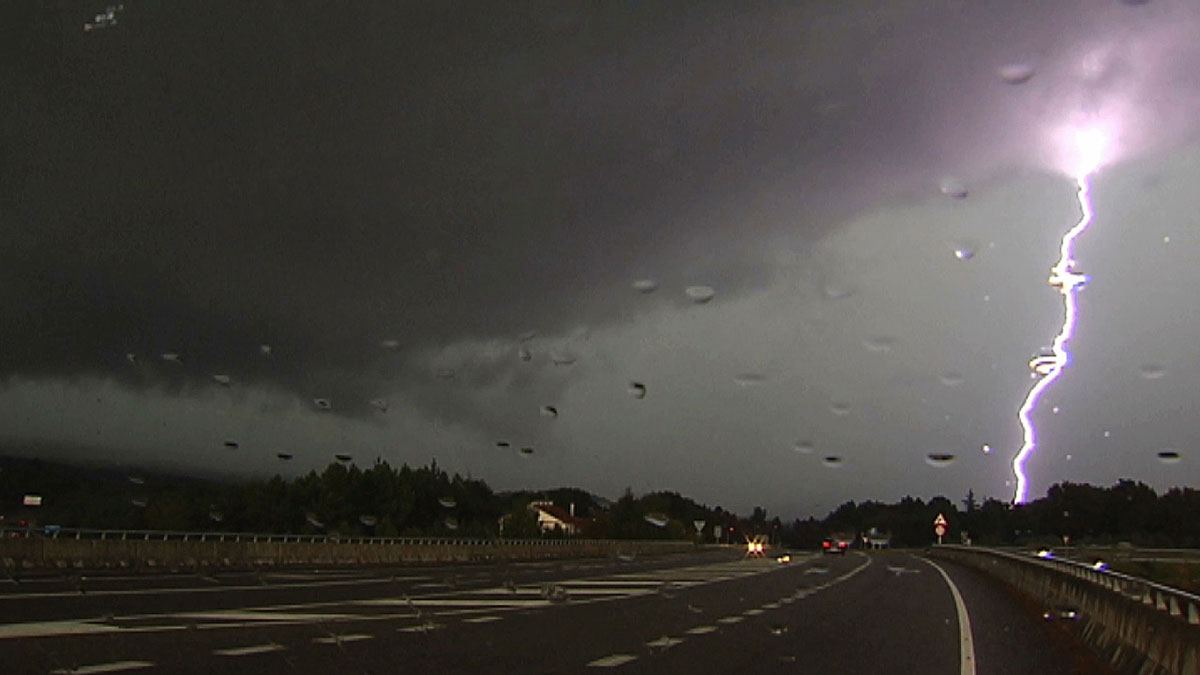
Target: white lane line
point(247, 651)
point(196, 589)
point(236, 615)
point(482, 619)
point(664, 642)
point(612, 661)
point(468, 602)
point(730, 619)
point(115, 667)
point(771, 605)
point(46, 628)
point(752, 612)
point(701, 630)
point(341, 639)
point(966, 647)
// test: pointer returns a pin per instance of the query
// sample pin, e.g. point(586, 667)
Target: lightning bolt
point(1047, 369)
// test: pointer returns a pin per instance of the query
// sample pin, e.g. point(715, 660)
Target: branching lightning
point(1047, 367)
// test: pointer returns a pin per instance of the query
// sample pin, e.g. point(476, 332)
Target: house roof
point(560, 514)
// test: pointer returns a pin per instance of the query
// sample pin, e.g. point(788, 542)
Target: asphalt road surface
point(713, 612)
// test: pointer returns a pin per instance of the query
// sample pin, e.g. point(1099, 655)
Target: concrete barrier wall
point(1135, 631)
point(34, 554)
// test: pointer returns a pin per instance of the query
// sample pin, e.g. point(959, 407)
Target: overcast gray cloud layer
point(391, 197)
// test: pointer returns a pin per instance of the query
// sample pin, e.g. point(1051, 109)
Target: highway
point(711, 612)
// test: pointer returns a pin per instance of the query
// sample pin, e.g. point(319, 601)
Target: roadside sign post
point(939, 527)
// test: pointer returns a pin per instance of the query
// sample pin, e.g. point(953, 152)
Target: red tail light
point(824, 544)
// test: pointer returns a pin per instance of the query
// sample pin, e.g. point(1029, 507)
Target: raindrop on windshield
point(840, 408)
point(749, 379)
point(804, 447)
point(393, 345)
point(137, 480)
point(265, 350)
point(1152, 371)
point(451, 523)
point(284, 455)
point(965, 249)
point(216, 516)
point(524, 354)
point(835, 291)
point(379, 404)
point(657, 519)
point(1016, 73)
point(879, 344)
point(637, 390)
point(447, 502)
point(987, 449)
point(1169, 457)
point(232, 445)
point(139, 502)
point(367, 520)
point(562, 358)
point(322, 403)
point(526, 451)
point(953, 188)
point(645, 285)
point(313, 520)
point(503, 444)
point(222, 380)
point(939, 460)
point(700, 294)
point(131, 357)
point(832, 461)
point(342, 457)
point(951, 379)
point(549, 411)
point(170, 356)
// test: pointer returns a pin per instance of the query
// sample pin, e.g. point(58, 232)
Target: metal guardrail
point(166, 535)
point(1175, 602)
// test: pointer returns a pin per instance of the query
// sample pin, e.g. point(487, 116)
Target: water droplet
point(657, 519)
point(645, 285)
point(1153, 371)
point(265, 350)
point(778, 629)
point(832, 461)
point(222, 380)
point(284, 455)
point(964, 249)
point(216, 516)
point(549, 411)
point(313, 520)
point(562, 358)
point(322, 403)
point(526, 451)
point(1167, 240)
point(939, 460)
point(700, 294)
point(1169, 457)
point(637, 390)
point(840, 408)
point(804, 447)
point(451, 523)
point(136, 480)
point(524, 354)
point(368, 520)
point(836, 291)
point(447, 502)
point(879, 344)
point(379, 404)
point(342, 457)
point(527, 336)
point(951, 379)
point(232, 445)
point(170, 356)
point(131, 357)
point(444, 373)
point(1016, 73)
point(1136, 3)
point(503, 444)
point(1070, 457)
point(987, 449)
point(953, 188)
point(139, 502)
point(749, 379)
point(392, 345)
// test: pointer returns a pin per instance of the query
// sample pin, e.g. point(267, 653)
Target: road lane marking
point(752, 612)
point(612, 661)
point(966, 647)
point(248, 651)
point(341, 639)
point(664, 642)
point(730, 619)
point(701, 630)
point(771, 605)
point(48, 628)
point(236, 615)
point(115, 667)
point(482, 619)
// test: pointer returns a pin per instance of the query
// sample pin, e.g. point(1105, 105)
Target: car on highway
point(837, 543)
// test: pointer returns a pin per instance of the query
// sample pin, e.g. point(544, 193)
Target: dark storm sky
point(206, 178)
